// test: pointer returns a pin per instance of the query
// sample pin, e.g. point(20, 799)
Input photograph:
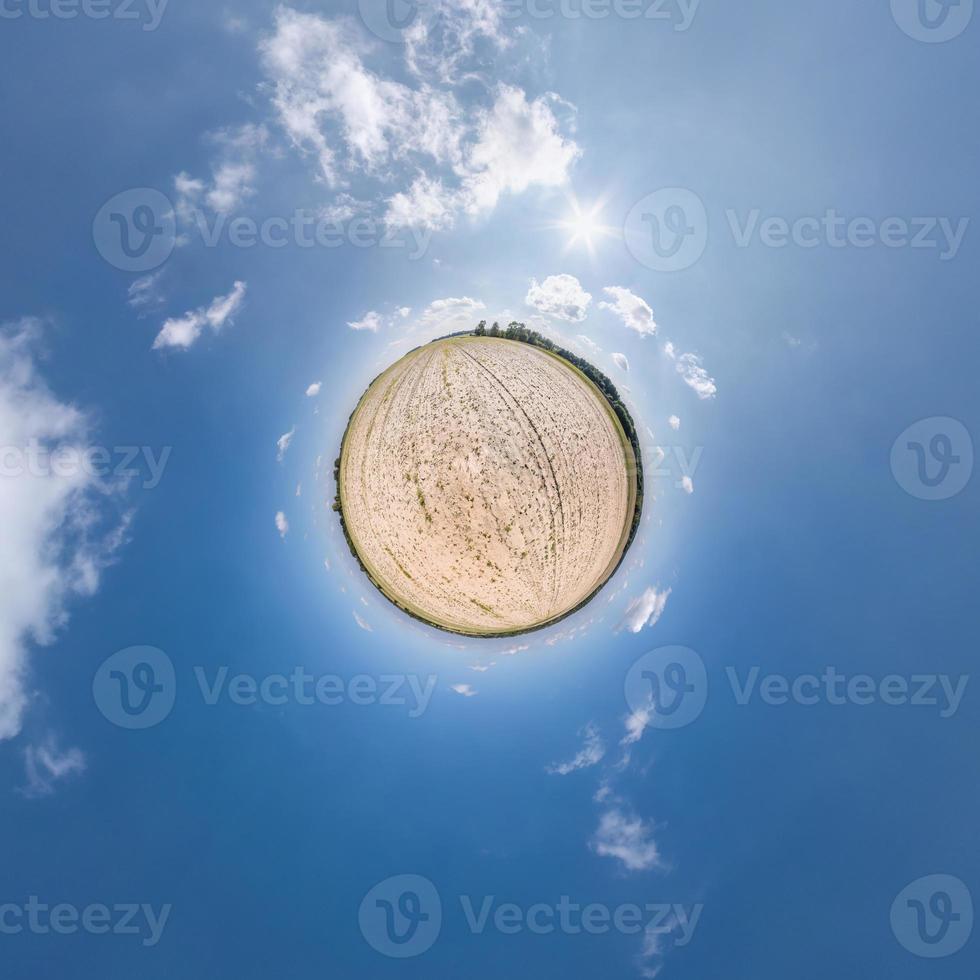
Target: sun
point(585, 225)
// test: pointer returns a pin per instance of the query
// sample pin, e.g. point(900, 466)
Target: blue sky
point(758, 219)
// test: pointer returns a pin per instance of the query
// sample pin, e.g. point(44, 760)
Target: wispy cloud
point(691, 369)
point(181, 333)
point(591, 754)
point(45, 765)
point(60, 528)
point(644, 610)
point(284, 442)
point(282, 524)
point(426, 156)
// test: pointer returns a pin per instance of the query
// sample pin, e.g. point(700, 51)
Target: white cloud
point(687, 484)
point(636, 724)
point(631, 309)
point(451, 314)
point(45, 765)
point(282, 524)
point(371, 321)
point(233, 173)
point(670, 350)
point(465, 690)
point(591, 754)
point(674, 422)
point(314, 389)
point(445, 33)
point(283, 444)
point(519, 145)
point(364, 625)
point(54, 543)
point(426, 204)
point(143, 292)
point(559, 296)
point(627, 839)
point(182, 332)
point(621, 362)
point(645, 610)
point(689, 367)
point(444, 158)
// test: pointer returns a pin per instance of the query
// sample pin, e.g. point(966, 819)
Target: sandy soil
point(486, 485)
